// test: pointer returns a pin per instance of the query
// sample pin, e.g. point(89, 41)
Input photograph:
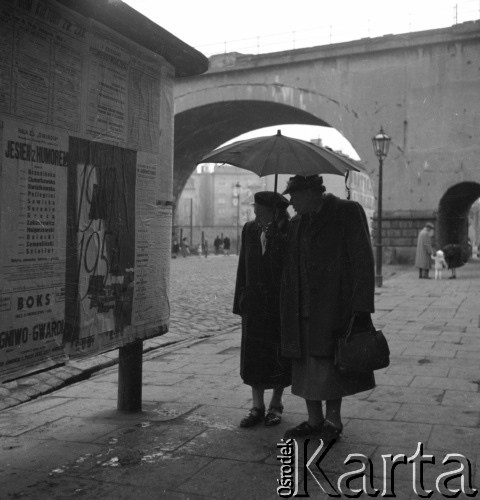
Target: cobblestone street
point(202, 294)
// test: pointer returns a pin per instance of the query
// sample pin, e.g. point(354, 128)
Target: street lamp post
point(381, 143)
point(237, 195)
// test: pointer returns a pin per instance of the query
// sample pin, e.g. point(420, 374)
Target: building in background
point(215, 200)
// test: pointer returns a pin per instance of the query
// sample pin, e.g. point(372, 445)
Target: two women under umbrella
point(297, 313)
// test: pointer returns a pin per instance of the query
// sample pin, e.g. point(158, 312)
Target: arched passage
point(453, 213)
point(201, 129)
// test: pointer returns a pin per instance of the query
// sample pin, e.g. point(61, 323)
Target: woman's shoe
point(254, 417)
point(330, 433)
point(273, 416)
point(303, 430)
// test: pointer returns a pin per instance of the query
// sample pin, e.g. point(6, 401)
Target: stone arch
point(454, 206)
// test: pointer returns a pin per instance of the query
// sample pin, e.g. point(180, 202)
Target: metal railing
point(468, 10)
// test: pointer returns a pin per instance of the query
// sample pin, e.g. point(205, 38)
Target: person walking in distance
point(216, 243)
point(226, 245)
point(257, 301)
point(454, 256)
point(328, 281)
point(423, 257)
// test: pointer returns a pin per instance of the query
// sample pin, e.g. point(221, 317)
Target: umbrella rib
point(295, 154)
point(267, 156)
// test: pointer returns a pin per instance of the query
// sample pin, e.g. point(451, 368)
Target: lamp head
point(381, 143)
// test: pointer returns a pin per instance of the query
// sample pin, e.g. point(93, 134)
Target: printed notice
point(41, 64)
point(152, 248)
point(107, 90)
point(32, 245)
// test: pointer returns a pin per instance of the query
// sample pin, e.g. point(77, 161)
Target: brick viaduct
point(423, 88)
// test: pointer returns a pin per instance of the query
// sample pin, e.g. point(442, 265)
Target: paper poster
point(152, 247)
point(101, 243)
point(32, 245)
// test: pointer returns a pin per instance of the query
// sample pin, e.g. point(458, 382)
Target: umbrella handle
point(276, 182)
point(347, 172)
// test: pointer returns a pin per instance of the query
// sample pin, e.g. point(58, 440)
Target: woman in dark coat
point(328, 280)
point(257, 301)
point(454, 257)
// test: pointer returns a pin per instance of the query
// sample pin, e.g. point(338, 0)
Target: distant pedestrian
point(257, 301)
point(217, 242)
point(454, 258)
point(424, 251)
point(175, 248)
point(440, 264)
point(205, 248)
point(185, 248)
point(226, 245)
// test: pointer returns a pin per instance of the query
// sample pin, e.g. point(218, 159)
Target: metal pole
point(130, 377)
point(238, 222)
point(191, 223)
point(378, 273)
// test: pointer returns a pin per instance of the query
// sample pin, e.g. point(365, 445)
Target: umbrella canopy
point(280, 154)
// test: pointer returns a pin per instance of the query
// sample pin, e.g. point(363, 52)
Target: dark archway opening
point(453, 213)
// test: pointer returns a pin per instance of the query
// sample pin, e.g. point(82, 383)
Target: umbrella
point(280, 154)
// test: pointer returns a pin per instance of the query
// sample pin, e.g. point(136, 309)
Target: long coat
point(340, 274)
point(423, 257)
point(256, 299)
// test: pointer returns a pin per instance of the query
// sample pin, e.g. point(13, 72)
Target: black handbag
point(362, 351)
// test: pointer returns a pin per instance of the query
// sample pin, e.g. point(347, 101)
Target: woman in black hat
point(257, 301)
point(328, 281)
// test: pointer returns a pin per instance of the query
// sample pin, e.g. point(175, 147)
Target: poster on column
point(152, 248)
point(101, 245)
point(33, 180)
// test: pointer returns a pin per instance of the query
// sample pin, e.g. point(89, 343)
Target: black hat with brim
point(300, 183)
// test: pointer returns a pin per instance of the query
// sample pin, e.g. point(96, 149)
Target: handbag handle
point(349, 328)
point(348, 333)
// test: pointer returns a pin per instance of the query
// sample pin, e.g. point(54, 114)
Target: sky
point(260, 26)
point(266, 25)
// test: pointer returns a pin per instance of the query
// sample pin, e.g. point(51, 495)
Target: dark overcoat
point(423, 255)
point(256, 299)
point(340, 272)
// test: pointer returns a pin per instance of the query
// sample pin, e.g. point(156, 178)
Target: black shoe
point(254, 417)
point(303, 430)
point(273, 416)
point(330, 433)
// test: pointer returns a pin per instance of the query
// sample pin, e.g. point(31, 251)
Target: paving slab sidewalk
point(186, 442)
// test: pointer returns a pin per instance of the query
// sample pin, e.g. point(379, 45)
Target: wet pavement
point(186, 442)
